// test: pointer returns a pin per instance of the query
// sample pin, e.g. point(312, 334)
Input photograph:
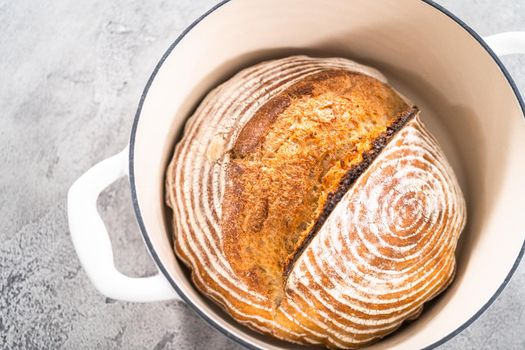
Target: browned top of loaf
point(289, 161)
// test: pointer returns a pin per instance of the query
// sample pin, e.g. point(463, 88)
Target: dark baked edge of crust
point(348, 180)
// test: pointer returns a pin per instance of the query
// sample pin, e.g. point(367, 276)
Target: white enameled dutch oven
point(467, 99)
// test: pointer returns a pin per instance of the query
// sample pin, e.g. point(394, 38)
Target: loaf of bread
point(311, 203)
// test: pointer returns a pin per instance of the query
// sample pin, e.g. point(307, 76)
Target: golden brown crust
point(273, 195)
point(347, 181)
point(254, 131)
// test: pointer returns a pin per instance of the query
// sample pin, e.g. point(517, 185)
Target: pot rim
point(160, 264)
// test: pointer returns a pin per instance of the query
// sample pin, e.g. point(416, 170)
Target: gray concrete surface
point(71, 75)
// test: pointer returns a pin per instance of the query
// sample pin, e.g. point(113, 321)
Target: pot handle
point(506, 43)
point(91, 239)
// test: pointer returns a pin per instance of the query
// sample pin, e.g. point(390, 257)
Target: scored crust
point(247, 219)
point(348, 180)
point(288, 164)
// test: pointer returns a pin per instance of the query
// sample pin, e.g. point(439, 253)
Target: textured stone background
point(71, 76)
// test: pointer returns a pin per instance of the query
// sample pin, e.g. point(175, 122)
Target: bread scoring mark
point(348, 180)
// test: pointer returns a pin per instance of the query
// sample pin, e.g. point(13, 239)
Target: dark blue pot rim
point(159, 262)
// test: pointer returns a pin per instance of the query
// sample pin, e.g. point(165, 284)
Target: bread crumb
point(216, 149)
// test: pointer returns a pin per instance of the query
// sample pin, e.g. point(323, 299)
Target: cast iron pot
point(467, 98)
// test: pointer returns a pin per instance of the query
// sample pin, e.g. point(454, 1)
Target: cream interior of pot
point(465, 100)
